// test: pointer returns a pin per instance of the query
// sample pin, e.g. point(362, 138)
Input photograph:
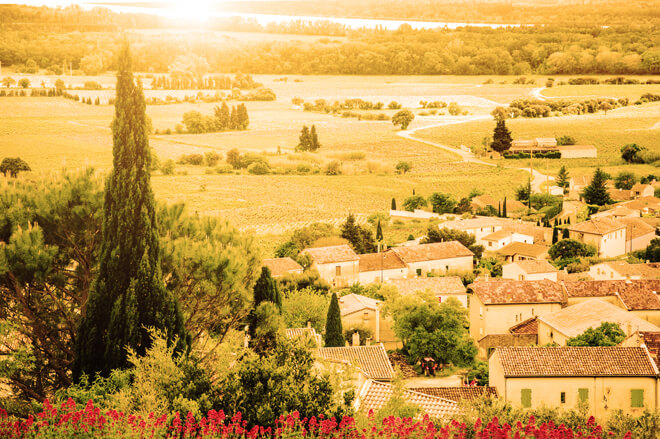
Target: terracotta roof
point(574, 320)
point(371, 360)
point(643, 203)
point(597, 226)
point(518, 291)
point(573, 277)
point(620, 194)
point(432, 252)
point(294, 333)
point(376, 261)
point(282, 266)
point(652, 342)
point(458, 393)
point(535, 267)
point(514, 205)
point(473, 223)
point(645, 271)
point(335, 253)
point(351, 303)
point(439, 286)
point(639, 187)
point(635, 294)
point(524, 249)
point(496, 236)
point(636, 227)
point(571, 361)
point(529, 326)
point(374, 395)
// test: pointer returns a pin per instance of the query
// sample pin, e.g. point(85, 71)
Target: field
point(632, 92)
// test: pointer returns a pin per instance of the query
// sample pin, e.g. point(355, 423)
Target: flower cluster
point(69, 421)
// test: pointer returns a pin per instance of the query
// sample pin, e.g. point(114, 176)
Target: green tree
point(234, 121)
point(563, 177)
point(463, 206)
point(24, 82)
point(314, 143)
point(504, 212)
point(435, 234)
point(523, 192)
point(393, 205)
point(359, 237)
point(128, 295)
point(501, 137)
point(565, 140)
point(222, 116)
point(565, 233)
point(243, 118)
point(13, 165)
point(555, 235)
point(403, 118)
point(334, 336)
point(414, 202)
point(8, 81)
point(304, 140)
point(302, 306)
point(403, 167)
point(379, 232)
point(305, 237)
point(596, 193)
point(568, 249)
point(625, 180)
point(267, 290)
point(442, 203)
point(652, 252)
point(234, 158)
point(607, 334)
point(631, 153)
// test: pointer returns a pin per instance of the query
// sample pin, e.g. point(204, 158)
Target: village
point(520, 320)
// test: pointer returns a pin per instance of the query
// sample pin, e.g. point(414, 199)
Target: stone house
point(639, 234)
point(495, 241)
point(436, 258)
point(640, 190)
point(622, 270)
point(281, 266)
point(520, 251)
point(362, 311)
point(608, 236)
point(338, 264)
point(529, 270)
point(606, 378)
point(441, 287)
point(377, 267)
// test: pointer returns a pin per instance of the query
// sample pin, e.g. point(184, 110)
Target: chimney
point(539, 296)
point(356, 339)
point(309, 324)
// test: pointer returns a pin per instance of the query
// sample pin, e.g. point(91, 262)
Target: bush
point(333, 168)
point(394, 105)
point(364, 332)
point(191, 159)
point(224, 169)
point(212, 158)
point(258, 168)
point(167, 167)
point(565, 140)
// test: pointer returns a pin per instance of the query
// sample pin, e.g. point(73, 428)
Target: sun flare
point(199, 10)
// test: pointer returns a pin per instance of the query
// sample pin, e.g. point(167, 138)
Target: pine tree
point(266, 290)
point(562, 177)
point(596, 193)
point(501, 137)
point(314, 143)
point(393, 207)
point(334, 336)
point(504, 215)
point(128, 295)
point(555, 235)
point(379, 232)
point(305, 139)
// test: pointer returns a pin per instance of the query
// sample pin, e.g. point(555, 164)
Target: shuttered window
point(583, 395)
point(637, 398)
point(526, 398)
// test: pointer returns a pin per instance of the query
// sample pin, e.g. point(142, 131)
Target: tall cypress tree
point(334, 336)
point(379, 232)
point(128, 296)
point(314, 139)
point(555, 234)
point(504, 215)
point(266, 290)
point(393, 206)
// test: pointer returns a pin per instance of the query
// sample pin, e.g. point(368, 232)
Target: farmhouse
point(520, 251)
point(436, 258)
point(281, 266)
point(543, 145)
point(441, 287)
point(607, 378)
point(645, 205)
point(620, 194)
point(338, 264)
point(541, 235)
point(607, 235)
point(559, 326)
point(361, 311)
point(577, 184)
point(640, 190)
point(529, 270)
point(622, 270)
point(377, 267)
point(639, 233)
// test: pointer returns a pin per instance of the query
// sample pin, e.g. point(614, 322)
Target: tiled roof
point(387, 260)
point(458, 393)
point(523, 249)
point(371, 360)
point(535, 267)
point(294, 333)
point(437, 285)
point(573, 277)
point(645, 271)
point(597, 226)
point(281, 266)
point(540, 234)
point(335, 253)
point(575, 319)
point(643, 203)
point(571, 361)
point(514, 205)
point(374, 395)
point(636, 294)
point(636, 227)
point(351, 303)
point(432, 252)
point(620, 194)
point(496, 236)
point(529, 326)
point(652, 342)
point(518, 291)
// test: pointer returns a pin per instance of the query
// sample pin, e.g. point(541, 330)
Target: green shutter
point(526, 397)
point(637, 398)
point(583, 395)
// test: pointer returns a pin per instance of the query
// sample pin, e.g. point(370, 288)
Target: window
point(526, 398)
point(418, 271)
point(562, 397)
point(583, 395)
point(637, 398)
point(521, 277)
point(490, 243)
point(338, 270)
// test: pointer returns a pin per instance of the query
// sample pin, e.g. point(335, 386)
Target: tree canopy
point(607, 334)
point(596, 193)
point(13, 165)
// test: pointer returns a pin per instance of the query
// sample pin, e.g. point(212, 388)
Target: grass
point(632, 92)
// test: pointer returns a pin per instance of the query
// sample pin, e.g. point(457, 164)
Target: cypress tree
point(596, 192)
point(393, 204)
point(333, 331)
point(504, 215)
point(222, 116)
point(314, 143)
point(243, 118)
point(305, 139)
point(499, 209)
point(379, 232)
point(266, 290)
point(128, 295)
point(234, 123)
point(555, 235)
point(501, 137)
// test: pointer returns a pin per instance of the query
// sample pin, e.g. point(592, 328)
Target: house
point(577, 151)
point(374, 395)
point(436, 258)
point(482, 202)
point(307, 333)
point(606, 378)
point(479, 226)
point(640, 190)
point(281, 266)
point(371, 361)
point(501, 238)
point(579, 291)
point(377, 267)
point(338, 264)
point(541, 144)
point(650, 340)
point(529, 270)
point(441, 287)
point(646, 205)
point(622, 270)
point(361, 311)
point(608, 236)
point(559, 326)
point(519, 251)
point(458, 393)
point(639, 234)
point(620, 194)
point(497, 305)
point(541, 235)
point(618, 212)
point(529, 326)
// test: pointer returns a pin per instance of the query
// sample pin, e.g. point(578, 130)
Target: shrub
point(191, 159)
point(167, 167)
point(224, 169)
point(333, 168)
point(565, 140)
point(394, 105)
point(364, 332)
point(258, 168)
point(212, 158)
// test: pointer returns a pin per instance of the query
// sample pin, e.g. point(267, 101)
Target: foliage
point(13, 165)
point(403, 118)
point(266, 328)
point(652, 252)
point(267, 290)
point(435, 234)
point(128, 295)
point(596, 193)
point(191, 159)
point(359, 237)
point(364, 333)
point(414, 202)
point(479, 373)
point(631, 153)
point(523, 192)
point(625, 180)
point(570, 248)
point(492, 265)
point(333, 168)
point(402, 168)
point(397, 405)
point(563, 178)
point(501, 137)
point(305, 305)
point(607, 334)
point(221, 120)
point(565, 140)
point(305, 237)
point(442, 203)
point(334, 336)
point(644, 426)
point(309, 140)
point(309, 279)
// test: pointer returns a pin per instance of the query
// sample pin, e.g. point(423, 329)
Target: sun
point(199, 10)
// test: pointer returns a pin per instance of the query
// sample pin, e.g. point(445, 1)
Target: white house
point(377, 267)
point(529, 270)
point(338, 264)
point(607, 235)
point(436, 258)
point(502, 238)
point(479, 226)
point(622, 270)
